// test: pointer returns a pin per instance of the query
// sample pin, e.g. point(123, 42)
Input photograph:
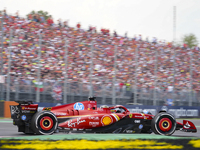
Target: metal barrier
point(24, 89)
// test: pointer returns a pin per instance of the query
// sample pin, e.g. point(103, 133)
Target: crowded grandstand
point(171, 77)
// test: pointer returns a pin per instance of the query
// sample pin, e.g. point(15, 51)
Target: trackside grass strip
point(86, 144)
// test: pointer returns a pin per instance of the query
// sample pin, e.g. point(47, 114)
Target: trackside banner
point(177, 111)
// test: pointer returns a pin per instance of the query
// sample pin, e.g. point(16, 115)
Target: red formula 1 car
point(86, 117)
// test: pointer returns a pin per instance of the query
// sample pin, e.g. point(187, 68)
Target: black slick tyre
point(163, 124)
point(44, 123)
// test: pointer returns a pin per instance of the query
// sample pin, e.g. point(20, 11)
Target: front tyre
point(44, 123)
point(163, 124)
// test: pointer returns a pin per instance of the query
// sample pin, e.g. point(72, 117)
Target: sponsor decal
point(29, 108)
point(129, 131)
point(93, 118)
point(74, 124)
point(140, 126)
point(48, 108)
point(101, 109)
point(74, 129)
point(144, 116)
point(130, 115)
point(23, 117)
point(139, 116)
point(78, 106)
point(137, 121)
point(93, 124)
point(67, 128)
point(24, 104)
point(147, 117)
point(88, 129)
point(106, 120)
point(14, 110)
point(27, 111)
point(80, 129)
point(89, 106)
point(92, 102)
point(187, 125)
point(60, 114)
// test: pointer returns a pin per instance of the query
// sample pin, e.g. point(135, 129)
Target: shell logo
point(106, 120)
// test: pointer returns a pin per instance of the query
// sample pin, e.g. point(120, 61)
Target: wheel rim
point(46, 123)
point(165, 124)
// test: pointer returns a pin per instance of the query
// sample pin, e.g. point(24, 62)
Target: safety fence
point(52, 91)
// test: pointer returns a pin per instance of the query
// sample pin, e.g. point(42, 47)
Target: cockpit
point(117, 110)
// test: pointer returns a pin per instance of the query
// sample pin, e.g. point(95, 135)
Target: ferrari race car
point(87, 118)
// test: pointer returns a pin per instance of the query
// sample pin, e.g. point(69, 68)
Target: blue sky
point(152, 18)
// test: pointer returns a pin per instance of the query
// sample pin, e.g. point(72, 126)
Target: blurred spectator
point(4, 12)
point(50, 21)
point(65, 23)
point(17, 14)
point(59, 23)
point(154, 40)
point(25, 46)
point(78, 26)
point(42, 19)
point(35, 18)
point(115, 33)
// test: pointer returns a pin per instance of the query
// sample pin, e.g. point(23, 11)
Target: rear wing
point(24, 102)
point(24, 108)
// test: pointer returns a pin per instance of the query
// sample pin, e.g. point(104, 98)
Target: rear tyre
point(163, 124)
point(44, 123)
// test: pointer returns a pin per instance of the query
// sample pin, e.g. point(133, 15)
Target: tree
point(190, 40)
point(43, 13)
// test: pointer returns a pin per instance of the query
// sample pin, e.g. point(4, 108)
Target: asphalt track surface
point(7, 129)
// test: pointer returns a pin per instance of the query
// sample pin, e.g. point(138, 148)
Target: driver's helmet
point(118, 110)
point(145, 111)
